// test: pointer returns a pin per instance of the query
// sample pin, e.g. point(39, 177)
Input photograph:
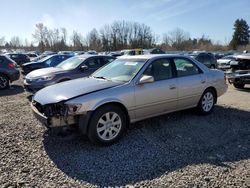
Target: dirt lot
point(179, 149)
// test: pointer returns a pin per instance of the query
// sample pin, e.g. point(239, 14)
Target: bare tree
point(2, 41)
point(77, 41)
point(15, 42)
point(177, 37)
point(40, 35)
point(93, 40)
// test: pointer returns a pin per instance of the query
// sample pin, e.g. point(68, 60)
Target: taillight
point(11, 65)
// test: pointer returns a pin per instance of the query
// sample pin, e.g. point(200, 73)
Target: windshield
point(122, 70)
point(71, 63)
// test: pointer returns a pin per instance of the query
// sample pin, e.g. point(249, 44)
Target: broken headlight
point(74, 108)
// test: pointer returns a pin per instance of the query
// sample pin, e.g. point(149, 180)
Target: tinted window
point(108, 60)
point(1, 60)
point(185, 68)
point(56, 60)
point(94, 63)
point(159, 69)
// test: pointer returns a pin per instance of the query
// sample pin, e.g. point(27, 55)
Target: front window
point(122, 70)
point(71, 63)
point(160, 69)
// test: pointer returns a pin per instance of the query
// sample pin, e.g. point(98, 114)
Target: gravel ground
point(177, 150)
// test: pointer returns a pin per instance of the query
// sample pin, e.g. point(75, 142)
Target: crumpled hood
point(44, 72)
point(69, 89)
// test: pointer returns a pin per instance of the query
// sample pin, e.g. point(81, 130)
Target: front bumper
point(224, 67)
point(34, 87)
point(53, 122)
point(239, 78)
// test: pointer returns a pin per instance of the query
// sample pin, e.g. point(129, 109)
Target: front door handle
point(203, 81)
point(172, 87)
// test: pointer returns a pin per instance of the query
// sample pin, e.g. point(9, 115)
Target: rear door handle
point(172, 87)
point(203, 81)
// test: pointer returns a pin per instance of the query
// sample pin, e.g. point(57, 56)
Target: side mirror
point(146, 79)
point(84, 67)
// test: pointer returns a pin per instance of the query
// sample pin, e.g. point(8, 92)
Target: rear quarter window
point(184, 67)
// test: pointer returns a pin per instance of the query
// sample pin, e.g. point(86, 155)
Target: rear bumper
point(14, 76)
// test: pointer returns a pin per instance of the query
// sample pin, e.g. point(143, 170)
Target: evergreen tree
point(241, 34)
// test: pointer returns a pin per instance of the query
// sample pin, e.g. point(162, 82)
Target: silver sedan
point(128, 90)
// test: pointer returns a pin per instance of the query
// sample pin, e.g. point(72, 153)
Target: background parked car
point(32, 56)
point(132, 52)
point(239, 75)
point(205, 58)
point(224, 63)
point(72, 68)
point(49, 61)
point(153, 51)
point(8, 71)
point(19, 58)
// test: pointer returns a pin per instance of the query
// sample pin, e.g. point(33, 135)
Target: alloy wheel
point(3, 82)
point(109, 126)
point(207, 101)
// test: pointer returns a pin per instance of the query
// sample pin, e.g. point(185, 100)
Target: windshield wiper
point(100, 77)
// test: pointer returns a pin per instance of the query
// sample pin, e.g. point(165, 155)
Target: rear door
point(159, 96)
point(191, 82)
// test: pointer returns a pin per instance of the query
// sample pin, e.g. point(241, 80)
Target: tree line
point(123, 35)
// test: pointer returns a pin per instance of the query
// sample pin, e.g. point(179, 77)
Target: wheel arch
point(114, 103)
point(214, 90)
point(4, 74)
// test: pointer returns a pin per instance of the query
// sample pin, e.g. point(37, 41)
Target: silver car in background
point(127, 90)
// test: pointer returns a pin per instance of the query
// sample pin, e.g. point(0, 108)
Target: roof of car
point(91, 55)
point(149, 56)
point(243, 56)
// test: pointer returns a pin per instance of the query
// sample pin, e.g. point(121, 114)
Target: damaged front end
point(56, 115)
point(239, 72)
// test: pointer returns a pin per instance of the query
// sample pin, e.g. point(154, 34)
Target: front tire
point(4, 81)
point(107, 125)
point(239, 86)
point(207, 102)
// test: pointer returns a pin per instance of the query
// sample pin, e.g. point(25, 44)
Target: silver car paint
point(141, 101)
point(66, 90)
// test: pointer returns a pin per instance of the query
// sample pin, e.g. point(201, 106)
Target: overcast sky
point(214, 18)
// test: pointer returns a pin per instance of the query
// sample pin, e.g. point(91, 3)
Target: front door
point(159, 96)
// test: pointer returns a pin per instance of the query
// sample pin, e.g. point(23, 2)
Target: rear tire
point(4, 81)
point(207, 102)
point(239, 86)
point(107, 125)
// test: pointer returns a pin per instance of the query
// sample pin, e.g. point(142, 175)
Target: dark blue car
point(49, 61)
